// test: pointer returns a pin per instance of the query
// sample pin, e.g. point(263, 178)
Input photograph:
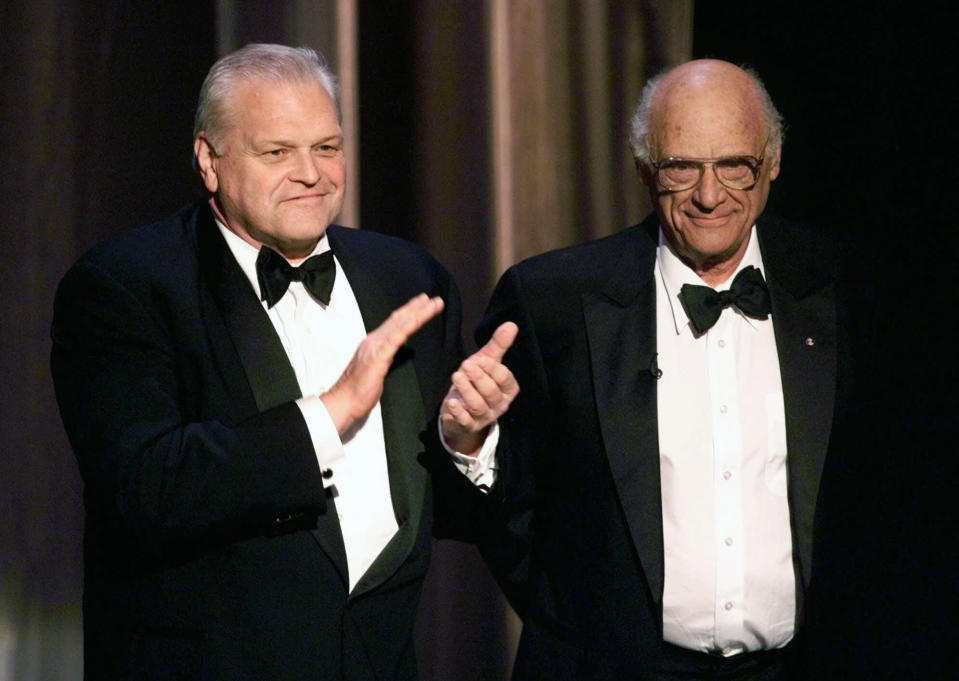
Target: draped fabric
point(486, 131)
point(97, 102)
point(522, 135)
point(520, 119)
point(97, 107)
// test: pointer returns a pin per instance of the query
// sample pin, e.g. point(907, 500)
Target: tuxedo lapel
point(621, 332)
point(623, 315)
point(267, 376)
point(804, 319)
point(266, 367)
point(403, 417)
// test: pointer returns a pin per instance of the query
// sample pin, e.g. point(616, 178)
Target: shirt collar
point(673, 273)
point(246, 253)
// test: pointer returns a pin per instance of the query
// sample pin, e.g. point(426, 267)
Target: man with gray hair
point(658, 473)
point(250, 392)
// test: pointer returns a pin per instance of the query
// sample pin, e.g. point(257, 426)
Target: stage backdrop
point(486, 131)
point(489, 131)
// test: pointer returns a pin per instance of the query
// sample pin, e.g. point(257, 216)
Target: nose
point(305, 169)
point(710, 192)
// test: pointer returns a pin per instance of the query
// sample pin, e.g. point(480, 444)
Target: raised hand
point(360, 386)
point(481, 391)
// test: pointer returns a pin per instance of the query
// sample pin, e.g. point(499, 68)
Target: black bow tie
point(748, 292)
point(275, 274)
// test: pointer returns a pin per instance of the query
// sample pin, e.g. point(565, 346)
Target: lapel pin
point(810, 341)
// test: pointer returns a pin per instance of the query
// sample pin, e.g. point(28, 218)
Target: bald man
point(658, 472)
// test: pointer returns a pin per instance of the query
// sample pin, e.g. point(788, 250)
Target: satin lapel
point(804, 320)
point(269, 377)
point(267, 368)
point(621, 331)
point(403, 419)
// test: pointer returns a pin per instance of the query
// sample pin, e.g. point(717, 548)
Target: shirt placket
point(729, 534)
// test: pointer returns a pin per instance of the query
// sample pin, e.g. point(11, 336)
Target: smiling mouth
point(306, 197)
point(707, 219)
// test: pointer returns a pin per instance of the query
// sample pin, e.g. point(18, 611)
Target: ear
point(204, 155)
point(774, 164)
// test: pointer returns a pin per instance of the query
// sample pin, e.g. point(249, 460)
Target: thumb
point(500, 341)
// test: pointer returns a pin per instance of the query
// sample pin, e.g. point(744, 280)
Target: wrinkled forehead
point(707, 117)
point(256, 102)
point(256, 89)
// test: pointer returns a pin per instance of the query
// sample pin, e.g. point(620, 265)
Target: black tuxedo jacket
point(211, 551)
point(579, 490)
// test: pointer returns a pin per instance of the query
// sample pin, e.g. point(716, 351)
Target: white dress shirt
point(320, 341)
point(481, 469)
point(729, 577)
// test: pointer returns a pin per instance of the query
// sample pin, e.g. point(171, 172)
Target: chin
point(709, 251)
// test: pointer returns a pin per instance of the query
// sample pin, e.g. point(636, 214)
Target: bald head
point(707, 143)
point(703, 83)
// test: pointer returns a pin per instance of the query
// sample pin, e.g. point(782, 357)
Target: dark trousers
point(680, 664)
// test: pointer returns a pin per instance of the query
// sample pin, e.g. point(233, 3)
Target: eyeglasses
point(736, 172)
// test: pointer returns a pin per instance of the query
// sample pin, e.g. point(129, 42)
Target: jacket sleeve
point(507, 544)
point(152, 470)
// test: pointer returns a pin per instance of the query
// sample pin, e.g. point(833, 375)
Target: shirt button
point(728, 541)
point(728, 605)
point(727, 475)
point(723, 409)
point(722, 343)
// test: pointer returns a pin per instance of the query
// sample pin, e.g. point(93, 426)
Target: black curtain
point(868, 97)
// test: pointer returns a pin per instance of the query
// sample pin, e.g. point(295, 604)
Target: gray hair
point(639, 123)
point(276, 63)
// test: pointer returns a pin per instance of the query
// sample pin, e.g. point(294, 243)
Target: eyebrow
point(712, 158)
point(279, 142)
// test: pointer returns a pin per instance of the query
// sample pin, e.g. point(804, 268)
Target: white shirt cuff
point(326, 440)
point(480, 469)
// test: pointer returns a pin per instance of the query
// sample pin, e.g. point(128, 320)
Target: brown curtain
point(522, 111)
point(513, 142)
point(520, 123)
point(96, 102)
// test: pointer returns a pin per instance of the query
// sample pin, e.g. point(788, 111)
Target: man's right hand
point(360, 386)
point(481, 391)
